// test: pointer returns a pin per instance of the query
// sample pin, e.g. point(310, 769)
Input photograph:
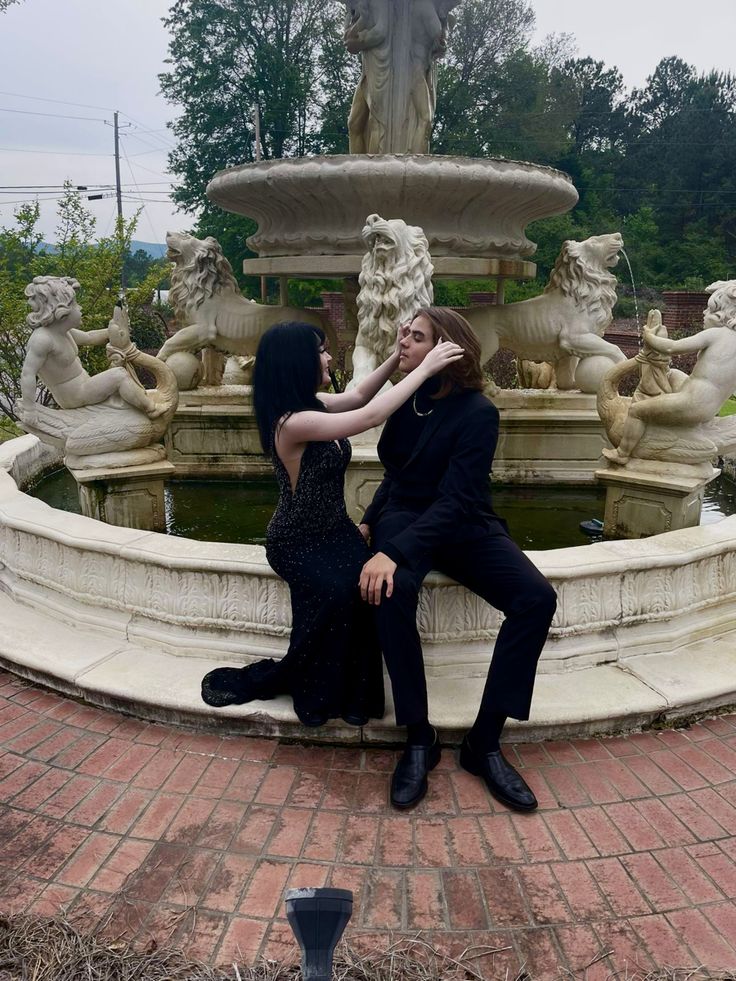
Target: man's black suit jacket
point(445, 481)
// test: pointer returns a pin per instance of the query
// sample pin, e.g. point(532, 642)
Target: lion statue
point(563, 326)
point(209, 305)
point(395, 281)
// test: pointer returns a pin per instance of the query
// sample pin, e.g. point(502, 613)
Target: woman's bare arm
point(364, 390)
point(309, 426)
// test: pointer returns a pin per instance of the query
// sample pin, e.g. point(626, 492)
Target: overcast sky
point(107, 54)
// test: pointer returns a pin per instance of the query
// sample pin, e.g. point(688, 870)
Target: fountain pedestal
point(363, 476)
point(647, 498)
point(548, 437)
point(132, 497)
point(214, 434)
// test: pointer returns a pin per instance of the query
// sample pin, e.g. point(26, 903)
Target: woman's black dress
point(333, 665)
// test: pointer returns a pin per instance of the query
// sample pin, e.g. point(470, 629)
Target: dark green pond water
point(238, 511)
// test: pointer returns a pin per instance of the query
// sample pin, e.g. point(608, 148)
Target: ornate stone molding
point(616, 599)
point(318, 205)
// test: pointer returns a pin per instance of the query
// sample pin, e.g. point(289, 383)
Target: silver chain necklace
point(416, 410)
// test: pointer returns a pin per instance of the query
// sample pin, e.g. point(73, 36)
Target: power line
point(53, 115)
point(148, 217)
point(143, 125)
point(59, 102)
point(155, 148)
point(87, 185)
point(55, 153)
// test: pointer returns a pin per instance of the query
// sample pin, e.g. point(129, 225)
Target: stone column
point(646, 498)
point(132, 497)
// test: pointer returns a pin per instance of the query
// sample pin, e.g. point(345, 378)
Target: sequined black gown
point(333, 667)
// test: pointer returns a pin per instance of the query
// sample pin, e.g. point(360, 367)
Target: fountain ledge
point(644, 629)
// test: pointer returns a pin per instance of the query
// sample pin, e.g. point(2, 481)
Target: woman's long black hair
point(286, 376)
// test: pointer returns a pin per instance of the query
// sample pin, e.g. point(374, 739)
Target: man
point(433, 511)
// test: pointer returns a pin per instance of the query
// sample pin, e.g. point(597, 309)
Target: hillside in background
point(154, 249)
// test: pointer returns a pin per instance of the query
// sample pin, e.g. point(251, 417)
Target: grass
point(729, 407)
point(40, 949)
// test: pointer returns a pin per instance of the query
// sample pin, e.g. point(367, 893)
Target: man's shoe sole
point(467, 762)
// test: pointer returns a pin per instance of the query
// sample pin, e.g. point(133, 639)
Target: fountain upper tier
point(469, 208)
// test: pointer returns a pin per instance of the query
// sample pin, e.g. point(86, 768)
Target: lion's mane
point(391, 292)
point(590, 284)
point(200, 271)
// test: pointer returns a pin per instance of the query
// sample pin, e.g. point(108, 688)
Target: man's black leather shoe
point(503, 781)
point(409, 782)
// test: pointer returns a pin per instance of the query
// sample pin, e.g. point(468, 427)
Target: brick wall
point(334, 304)
point(479, 299)
point(684, 309)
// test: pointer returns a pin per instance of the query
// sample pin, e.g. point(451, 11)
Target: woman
point(332, 668)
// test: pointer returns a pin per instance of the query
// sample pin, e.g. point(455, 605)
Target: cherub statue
point(672, 415)
point(107, 419)
point(52, 354)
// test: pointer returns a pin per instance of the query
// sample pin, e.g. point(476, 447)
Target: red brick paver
point(159, 834)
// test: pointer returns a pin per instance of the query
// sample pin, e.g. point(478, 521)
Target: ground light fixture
point(318, 918)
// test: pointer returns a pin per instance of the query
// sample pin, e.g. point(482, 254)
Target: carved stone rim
point(421, 159)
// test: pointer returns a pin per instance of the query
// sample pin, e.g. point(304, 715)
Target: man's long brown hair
point(467, 372)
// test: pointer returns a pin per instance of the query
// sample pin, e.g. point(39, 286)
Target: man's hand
point(365, 532)
point(377, 571)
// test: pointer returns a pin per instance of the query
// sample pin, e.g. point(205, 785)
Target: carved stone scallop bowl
point(466, 207)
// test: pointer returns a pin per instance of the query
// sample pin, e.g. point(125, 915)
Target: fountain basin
point(134, 619)
point(318, 205)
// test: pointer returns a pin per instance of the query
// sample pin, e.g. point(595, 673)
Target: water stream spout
point(636, 302)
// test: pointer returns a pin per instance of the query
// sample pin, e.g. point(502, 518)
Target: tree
point(95, 264)
point(680, 162)
point(484, 36)
point(595, 100)
point(229, 57)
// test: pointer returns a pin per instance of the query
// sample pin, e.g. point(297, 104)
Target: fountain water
point(633, 290)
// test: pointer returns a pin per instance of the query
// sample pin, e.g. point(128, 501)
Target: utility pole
point(119, 196)
point(257, 126)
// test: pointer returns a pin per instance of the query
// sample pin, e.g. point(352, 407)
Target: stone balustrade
point(617, 600)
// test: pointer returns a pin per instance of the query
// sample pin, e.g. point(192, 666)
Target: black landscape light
point(318, 918)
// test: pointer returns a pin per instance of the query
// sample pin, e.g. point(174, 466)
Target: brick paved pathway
point(191, 838)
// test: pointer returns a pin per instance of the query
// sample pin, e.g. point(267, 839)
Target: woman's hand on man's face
point(401, 333)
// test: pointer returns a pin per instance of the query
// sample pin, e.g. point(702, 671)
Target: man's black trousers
point(486, 561)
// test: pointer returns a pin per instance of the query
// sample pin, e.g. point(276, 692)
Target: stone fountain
point(644, 628)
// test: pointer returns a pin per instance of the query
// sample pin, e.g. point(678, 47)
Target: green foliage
point(658, 163)
point(97, 265)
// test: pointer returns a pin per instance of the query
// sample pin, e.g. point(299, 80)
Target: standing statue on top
point(399, 42)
